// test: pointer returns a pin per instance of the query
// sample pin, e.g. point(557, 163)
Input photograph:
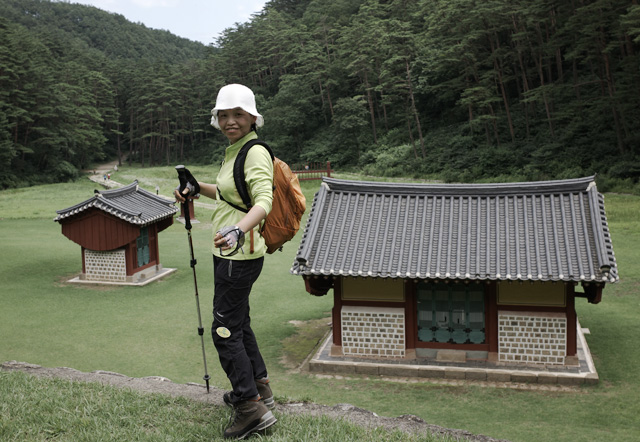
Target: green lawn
point(144, 331)
point(38, 409)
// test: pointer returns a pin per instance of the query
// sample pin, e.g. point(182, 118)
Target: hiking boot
point(250, 417)
point(264, 390)
point(266, 396)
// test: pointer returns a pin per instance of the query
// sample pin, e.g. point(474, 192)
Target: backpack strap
point(238, 169)
point(240, 181)
point(238, 174)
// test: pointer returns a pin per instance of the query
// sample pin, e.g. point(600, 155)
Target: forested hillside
point(460, 90)
point(78, 85)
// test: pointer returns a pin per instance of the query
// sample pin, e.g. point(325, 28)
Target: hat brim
point(214, 117)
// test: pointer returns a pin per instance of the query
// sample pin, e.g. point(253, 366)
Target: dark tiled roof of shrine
point(130, 203)
point(536, 231)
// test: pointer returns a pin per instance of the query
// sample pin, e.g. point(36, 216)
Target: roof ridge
point(462, 189)
point(125, 203)
point(129, 188)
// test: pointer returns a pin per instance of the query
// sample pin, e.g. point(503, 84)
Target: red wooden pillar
point(411, 314)
point(192, 212)
point(491, 317)
point(336, 317)
point(572, 322)
point(154, 245)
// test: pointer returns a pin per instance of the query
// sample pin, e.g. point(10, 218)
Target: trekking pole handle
point(182, 177)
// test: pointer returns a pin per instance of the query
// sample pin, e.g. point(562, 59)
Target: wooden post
point(192, 212)
point(336, 313)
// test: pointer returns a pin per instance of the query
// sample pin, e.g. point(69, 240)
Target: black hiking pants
point(237, 348)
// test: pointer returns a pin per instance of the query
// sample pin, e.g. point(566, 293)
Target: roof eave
point(600, 279)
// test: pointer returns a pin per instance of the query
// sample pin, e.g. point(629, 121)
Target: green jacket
point(259, 177)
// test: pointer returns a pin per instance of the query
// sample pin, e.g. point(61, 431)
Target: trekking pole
point(187, 225)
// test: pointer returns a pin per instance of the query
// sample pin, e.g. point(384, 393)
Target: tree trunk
point(525, 79)
point(371, 108)
point(614, 111)
point(498, 69)
point(414, 110)
point(322, 100)
point(130, 156)
point(544, 96)
point(118, 141)
point(413, 142)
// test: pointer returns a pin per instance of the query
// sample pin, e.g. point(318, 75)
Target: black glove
point(234, 238)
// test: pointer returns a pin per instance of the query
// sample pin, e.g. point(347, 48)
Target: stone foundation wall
point(105, 266)
point(533, 338)
point(373, 331)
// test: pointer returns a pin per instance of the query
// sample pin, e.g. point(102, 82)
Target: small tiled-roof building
point(490, 270)
point(118, 233)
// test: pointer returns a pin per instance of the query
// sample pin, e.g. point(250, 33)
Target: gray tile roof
point(130, 203)
point(539, 231)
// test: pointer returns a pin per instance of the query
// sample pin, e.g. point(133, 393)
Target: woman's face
point(235, 123)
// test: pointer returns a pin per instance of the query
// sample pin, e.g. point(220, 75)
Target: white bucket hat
point(232, 96)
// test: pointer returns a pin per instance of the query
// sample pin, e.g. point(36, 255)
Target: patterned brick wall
point(534, 338)
point(373, 331)
point(105, 266)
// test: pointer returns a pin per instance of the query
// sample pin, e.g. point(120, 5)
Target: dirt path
point(198, 392)
point(97, 174)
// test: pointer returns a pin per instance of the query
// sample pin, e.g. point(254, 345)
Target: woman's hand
point(220, 242)
point(191, 185)
point(179, 197)
point(230, 237)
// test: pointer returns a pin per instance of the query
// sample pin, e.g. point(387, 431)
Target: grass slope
point(38, 409)
point(152, 330)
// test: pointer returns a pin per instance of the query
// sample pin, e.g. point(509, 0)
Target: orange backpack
point(288, 206)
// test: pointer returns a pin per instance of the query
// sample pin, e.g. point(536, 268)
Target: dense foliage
point(464, 90)
point(79, 85)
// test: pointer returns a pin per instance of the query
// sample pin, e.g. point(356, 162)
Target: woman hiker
point(236, 268)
